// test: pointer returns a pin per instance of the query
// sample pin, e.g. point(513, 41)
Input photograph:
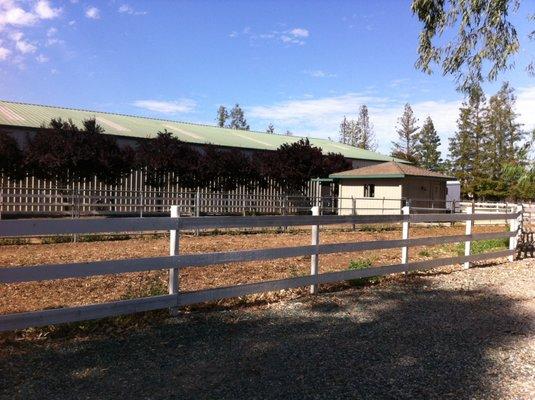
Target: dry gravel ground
point(444, 334)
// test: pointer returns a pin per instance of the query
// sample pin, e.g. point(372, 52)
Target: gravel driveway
point(460, 335)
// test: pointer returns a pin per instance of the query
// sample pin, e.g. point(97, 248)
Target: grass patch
point(484, 246)
point(362, 264)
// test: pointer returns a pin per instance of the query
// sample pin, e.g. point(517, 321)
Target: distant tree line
point(63, 152)
point(488, 153)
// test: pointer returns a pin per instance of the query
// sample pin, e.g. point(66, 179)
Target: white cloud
point(25, 47)
point(4, 53)
point(167, 107)
point(299, 32)
point(45, 11)
point(72, 22)
point(51, 32)
point(295, 36)
point(320, 117)
point(92, 12)
point(12, 14)
point(318, 73)
point(127, 9)
point(42, 58)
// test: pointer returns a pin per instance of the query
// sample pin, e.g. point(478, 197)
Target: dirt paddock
point(69, 292)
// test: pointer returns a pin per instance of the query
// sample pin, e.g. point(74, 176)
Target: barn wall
point(387, 200)
point(425, 192)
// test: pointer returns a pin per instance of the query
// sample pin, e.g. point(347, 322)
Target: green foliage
point(10, 157)
point(64, 152)
point(488, 139)
point(362, 264)
point(477, 35)
point(222, 116)
point(237, 119)
point(427, 148)
point(270, 129)
point(484, 246)
point(407, 129)
point(167, 160)
point(358, 133)
point(424, 253)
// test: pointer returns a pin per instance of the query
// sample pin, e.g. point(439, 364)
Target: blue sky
point(300, 65)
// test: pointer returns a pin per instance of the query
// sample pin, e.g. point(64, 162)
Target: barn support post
point(515, 225)
point(468, 232)
point(314, 259)
point(174, 236)
point(197, 207)
point(405, 234)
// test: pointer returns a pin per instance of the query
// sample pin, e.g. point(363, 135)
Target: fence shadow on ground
point(409, 341)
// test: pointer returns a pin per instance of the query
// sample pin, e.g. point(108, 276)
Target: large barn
point(21, 118)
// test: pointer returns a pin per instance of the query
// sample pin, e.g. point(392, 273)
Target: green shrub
point(362, 264)
point(424, 253)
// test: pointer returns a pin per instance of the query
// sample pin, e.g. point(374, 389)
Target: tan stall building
point(384, 188)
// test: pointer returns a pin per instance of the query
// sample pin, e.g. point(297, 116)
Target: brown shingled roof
point(389, 169)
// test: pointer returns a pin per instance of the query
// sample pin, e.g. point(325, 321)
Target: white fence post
point(515, 225)
point(314, 258)
point(405, 235)
point(354, 209)
point(173, 251)
point(468, 243)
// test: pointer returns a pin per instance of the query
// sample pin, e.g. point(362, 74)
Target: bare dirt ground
point(69, 292)
point(443, 334)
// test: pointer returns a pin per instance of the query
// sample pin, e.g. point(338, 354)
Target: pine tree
point(270, 129)
point(344, 131)
point(222, 116)
point(349, 133)
point(237, 119)
point(365, 137)
point(288, 133)
point(501, 143)
point(405, 147)
point(465, 146)
point(427, 151)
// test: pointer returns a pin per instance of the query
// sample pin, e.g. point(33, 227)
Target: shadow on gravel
point(404, 342)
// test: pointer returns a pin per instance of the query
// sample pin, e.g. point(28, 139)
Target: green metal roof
point(33, 116)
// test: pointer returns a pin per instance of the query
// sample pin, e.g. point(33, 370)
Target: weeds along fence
point(175, 261)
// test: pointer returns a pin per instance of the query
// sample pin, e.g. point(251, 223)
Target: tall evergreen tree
point(344, 131)
point(427, 151)
point(222, 116)
point(405, 147)
point(501, 143)
point(270, 129)
point(365, 137)
point(466, 145)
point(237, 119)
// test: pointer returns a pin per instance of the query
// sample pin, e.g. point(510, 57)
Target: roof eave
point(383, 176)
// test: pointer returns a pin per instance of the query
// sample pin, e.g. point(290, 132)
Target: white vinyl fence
point(177, 260)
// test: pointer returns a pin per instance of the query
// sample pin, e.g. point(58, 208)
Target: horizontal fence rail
point(42, 227)
point(11, 275)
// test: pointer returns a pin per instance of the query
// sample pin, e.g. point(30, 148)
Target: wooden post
point(405, 235)
point(173, 251)
point(468, 243)
point(354, 209)
point(197, 207)
point(515, 225)
point(314, 259)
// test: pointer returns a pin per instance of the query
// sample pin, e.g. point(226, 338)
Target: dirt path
point(457, 334)
point(40, 295)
